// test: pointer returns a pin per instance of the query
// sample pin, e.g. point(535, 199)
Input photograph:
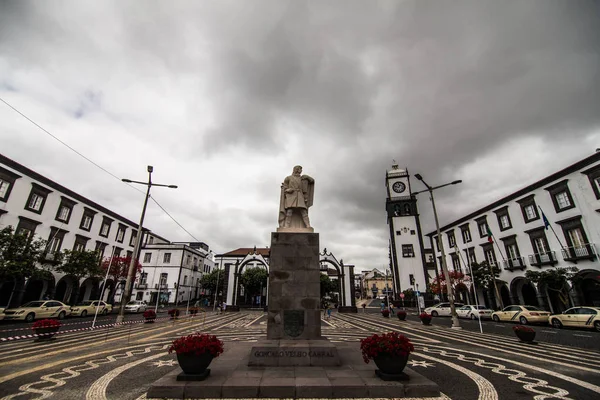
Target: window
point(133, 237)
point(163, 278)
point(7, 181)
point(100, 248)
point(120, 233)
point(37, 198)
point(188, 260)
point(503, 218)
point(407, 250)
point(167, 258)
point(184, 280)
point(576, 238)
point(195, 261)
point(147, 257)
point(129, 253)
point(578, 246)
point(482, 226)
point(512, 251)
point(87, 219)
point(593, 175)
point(451, 239)
point(27, 227)
point(466, 233)
point(118, 251)
point(561, 196)
point(455, 262)
point(530, 213)
point(55, 240)
point(529, 208)
point(470, 253)
point(105, 228)
point(35, 202)
point(540, 246)
point(489, 254)
point(80, 243)
point(143, 278)
point(412, 232)
point(398, 233)
point(64, 210)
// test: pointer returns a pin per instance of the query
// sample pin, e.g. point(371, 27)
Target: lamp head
point(150, 168)
point(456, 182)
point(126, 180)
point(419, 177)
point(173, 186)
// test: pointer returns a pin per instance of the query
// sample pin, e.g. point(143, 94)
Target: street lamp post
point(138, 242)
point(455, 321)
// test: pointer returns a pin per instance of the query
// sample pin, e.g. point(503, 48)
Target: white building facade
point(570, 201)
point(40, 207)
point(172, 271)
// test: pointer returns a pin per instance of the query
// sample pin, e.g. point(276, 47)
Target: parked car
point(441, 309)
point(521, 314)
point(474, 312)
point(38, 309)
point(89, 307)
point(1, 314)
point(136, 306)
point(578, 317)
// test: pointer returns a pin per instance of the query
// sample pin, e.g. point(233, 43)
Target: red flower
point(401, 312)
point(385, 312)
point(424, 315)
point(197, 344)
point(173, 312)
point(522, 328)
point(391, 343)
point(46, 323)
point(149, 314)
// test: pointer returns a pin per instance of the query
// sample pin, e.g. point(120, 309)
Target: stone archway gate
point(345, 275)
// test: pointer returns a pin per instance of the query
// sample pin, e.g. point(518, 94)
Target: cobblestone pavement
point(122, 362)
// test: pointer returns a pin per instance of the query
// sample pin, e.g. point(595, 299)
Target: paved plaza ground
point(121, 363)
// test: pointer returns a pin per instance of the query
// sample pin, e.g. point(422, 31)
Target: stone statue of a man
point(297, 193)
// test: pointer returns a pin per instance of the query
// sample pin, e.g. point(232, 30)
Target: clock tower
point(406, 241)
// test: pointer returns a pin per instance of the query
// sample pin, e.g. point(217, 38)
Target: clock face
point(399, 187)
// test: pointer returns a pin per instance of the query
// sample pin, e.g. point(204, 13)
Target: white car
point(136, 306)
point(474, 312)
point(441, 309)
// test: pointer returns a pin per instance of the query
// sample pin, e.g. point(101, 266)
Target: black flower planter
point(46, 333)
point(402, 317)
point(426, 321)
point(385, 315)
point(391, 367)
point(193, 364)
point(525, 336)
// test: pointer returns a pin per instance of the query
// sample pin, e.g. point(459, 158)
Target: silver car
point(136, 306)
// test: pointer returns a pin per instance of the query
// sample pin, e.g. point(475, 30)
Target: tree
point(484, 275)
point(20, 255)
point(328, 286)
point(555, 279)
point(80, 264)
point(119, 268)
point(209, 281)
point(254, 279)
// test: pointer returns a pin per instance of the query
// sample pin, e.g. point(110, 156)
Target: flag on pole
point(489, 233)
point(546, 223)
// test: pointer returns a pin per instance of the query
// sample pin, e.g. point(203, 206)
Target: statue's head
point(297, 170)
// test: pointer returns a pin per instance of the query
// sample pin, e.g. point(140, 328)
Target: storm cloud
point(223, 98)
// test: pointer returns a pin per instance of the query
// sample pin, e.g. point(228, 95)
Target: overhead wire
point(93, 163)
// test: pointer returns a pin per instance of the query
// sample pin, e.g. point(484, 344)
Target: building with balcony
point(551, 223)
point(38, 206)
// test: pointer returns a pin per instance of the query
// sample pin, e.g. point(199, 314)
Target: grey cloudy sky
point(223, 98)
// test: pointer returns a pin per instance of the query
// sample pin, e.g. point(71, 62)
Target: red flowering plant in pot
point(425, 318)
point(173, 313)
point(385, 313)
point(149, 315)
point(401, 315)
point(389, 351)
point(196, 352)
point(46, 328)
point(524, 333)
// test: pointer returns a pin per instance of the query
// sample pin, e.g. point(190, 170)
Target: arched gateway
point(259, 258)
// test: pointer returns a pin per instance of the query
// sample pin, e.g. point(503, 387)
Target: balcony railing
point(548, 258)
point(141, 286)
point(161, 286)
point(514, 263)
point(582, 252)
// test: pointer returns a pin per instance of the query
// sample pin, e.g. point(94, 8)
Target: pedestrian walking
point(328, 312)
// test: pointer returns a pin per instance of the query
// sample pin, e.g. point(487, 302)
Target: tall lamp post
point(455, 321)
point(138, 241)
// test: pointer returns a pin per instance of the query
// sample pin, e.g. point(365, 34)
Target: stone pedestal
point(294, 287)
point(294, 313)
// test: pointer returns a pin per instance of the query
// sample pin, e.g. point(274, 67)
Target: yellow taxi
point(578, 317)
point(89, 307)
point(38, 309)
point(521, 314)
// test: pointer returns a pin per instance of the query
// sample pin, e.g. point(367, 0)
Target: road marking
point(552, 332)
point(254, 320)
point(581, 335)
point(486, 389)
point(501, 326)
point(98, 389)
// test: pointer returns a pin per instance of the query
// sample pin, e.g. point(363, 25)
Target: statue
point(297, 193)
